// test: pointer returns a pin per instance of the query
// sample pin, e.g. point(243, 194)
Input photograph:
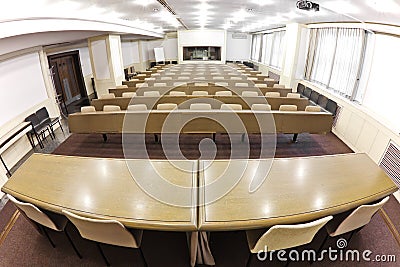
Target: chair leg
point(249, 260)
point(102, 254)
point(143, 258)
point(72, 243)
point(213, 136)
point(47, 235)
point(294, 140)
point(104, 137)
point(321, 246)
point(59, 122)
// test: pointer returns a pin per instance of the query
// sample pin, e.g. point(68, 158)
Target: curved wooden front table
point(296, 190)
point(105, 188)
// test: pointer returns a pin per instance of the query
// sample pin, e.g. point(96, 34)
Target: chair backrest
point(111, 108)
point(142, 85)
point(160, 84)
point(272, 94)
point(180, 84)
point(313, 108)
point(177, 93)
point(151, 93)
point(279, 85)
point(242, 84)
point(231, 107)
point(269, 80)
point(201, 84)
point(261, 85)
point(107, 96)
point(33, 118)
point(249, 93)
point(88, 109)
point(121, 86)
point(105, 231)
point(314, 96)
point(200, 106)
point(293, 95)
point(287, 108)
point(224, 84)
point(128, 94)
point(167, 106)
point(261, 107)
point(200, 93)
point(359, 217)
point(42, 114)
point(286, 236)
point(223, 93)
point(218, 78)
point(35, 214)
point(137, 107)
point(236, 78)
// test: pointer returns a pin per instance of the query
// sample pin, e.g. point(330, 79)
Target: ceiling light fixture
point(262, 2)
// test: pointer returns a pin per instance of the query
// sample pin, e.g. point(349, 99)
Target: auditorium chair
point(272, 94)
point(249, 93)
point(137, 107)
point(177, 93)
point(111, 108)
point(129, 94)
point(223, 93)
point(107, 96)
point(121, 86)
point(261, 107)
point(88, 109)
point(313, 108)
point(279, 237)
point(200, 93)
point(231, 107)
point(44, 118)
point(44, 220)
point(279, 86)
point(151, 93)
point(293, 95)
point(287, 108)
point(111, 232)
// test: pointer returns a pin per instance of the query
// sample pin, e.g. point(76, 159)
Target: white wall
point(202, 38)
point(40, 84)
point(130, 53)
point(170, 46)
point(238, 49)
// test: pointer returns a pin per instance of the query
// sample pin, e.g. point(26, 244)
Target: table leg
point(199, 249)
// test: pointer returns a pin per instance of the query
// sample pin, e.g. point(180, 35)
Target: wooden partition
point(188, 89)
point(200, 122)
point(215, 101)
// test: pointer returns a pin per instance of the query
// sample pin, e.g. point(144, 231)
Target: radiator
point(390, 162)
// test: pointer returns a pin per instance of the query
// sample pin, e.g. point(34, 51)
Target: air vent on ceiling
point(239, 35)
point(390, 162)
point(172, 35)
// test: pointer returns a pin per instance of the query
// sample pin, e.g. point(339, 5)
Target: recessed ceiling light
point(143, 2)
point(156, 9)
point(262, 2)
point(250, 10)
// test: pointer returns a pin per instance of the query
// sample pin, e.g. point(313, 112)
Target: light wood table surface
point(296, 190)
point(104, 188)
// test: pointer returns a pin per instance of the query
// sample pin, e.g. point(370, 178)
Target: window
point(256, 47)
point(271, 47)
point(335, 57)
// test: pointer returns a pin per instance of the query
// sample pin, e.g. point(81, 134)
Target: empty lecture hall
point(169, 133)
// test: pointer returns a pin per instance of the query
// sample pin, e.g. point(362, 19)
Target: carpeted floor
point(24, 246)
point(92, 145)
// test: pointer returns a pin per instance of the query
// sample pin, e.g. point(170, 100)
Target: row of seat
point(41, 123)
point(199, 93)
point(157, 84)
point(199, 106)
point(318, 98)
point(274, 238)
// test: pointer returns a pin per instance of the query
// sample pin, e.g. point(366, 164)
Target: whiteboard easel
point(159, 54)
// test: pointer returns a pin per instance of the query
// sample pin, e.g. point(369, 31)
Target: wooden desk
point(194, 121)
point(105, 188)
point(296, 190)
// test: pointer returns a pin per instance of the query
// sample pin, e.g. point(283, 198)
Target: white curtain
point(267, 51)
point(335, 58)
point(256, 48)
point(346, 66)
point(277, 49)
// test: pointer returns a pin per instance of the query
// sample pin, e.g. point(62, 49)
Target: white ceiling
point(235, 15)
